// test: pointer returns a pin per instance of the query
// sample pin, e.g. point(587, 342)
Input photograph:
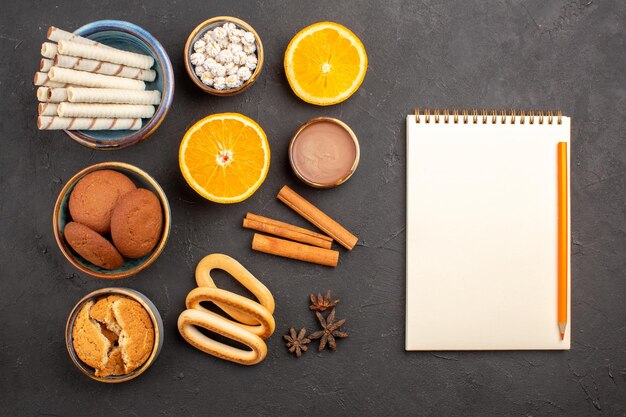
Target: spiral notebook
point(481, 248)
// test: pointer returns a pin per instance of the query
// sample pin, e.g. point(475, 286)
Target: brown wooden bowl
point(197, 34)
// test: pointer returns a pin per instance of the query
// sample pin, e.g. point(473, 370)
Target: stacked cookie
point(86, 85)
point(114, 335)
point(107, 204)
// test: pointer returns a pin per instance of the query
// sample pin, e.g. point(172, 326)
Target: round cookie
point(137, 223)
point(91, 246)
point(95, 195)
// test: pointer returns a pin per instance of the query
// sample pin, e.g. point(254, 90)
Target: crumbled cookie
point(91, 346)
point(137, 223)
point(114, 335)
point(96, 194)
point(91, 246)
point(114, 366)
point(103, 312)
point(136, 339)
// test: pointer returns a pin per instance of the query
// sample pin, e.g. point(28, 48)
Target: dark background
point(521, 54)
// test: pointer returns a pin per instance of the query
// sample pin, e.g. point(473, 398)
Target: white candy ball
point(219, 83)
point(229, 27)
point(232, 81)
point(207, 79)
point(223, 43)
point(199, 45)
point(212, 68)
point(197, 58)
point(218, 70)
point(233, 37)
point(199, 70)
point(225, 56)
point(240, 58)
point(231, 68)
point(249, 48)
point(247, 38)
point(208, 36)
point(219, 33)
point(235, 47)
point(244, 73)
point(212, 49)
point(208, 62)
point(251, 62)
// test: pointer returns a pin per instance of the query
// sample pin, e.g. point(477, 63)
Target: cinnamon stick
point(286, 233)
point(287, 226)
point(317, 217)
point(293, 250)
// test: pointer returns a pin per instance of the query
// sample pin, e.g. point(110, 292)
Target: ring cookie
point(137, 223)
point(114, 335)
point(250, 321)
point(95, 196)
point(92, 246)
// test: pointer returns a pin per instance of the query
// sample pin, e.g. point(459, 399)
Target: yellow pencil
point(562, 236)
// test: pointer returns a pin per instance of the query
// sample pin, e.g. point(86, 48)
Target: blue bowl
point(61, 216)
point(129, 37)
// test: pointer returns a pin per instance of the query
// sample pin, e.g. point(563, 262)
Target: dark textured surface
point(531, 54)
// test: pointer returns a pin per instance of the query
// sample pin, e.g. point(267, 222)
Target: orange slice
point(325, 63)
point(225, 157)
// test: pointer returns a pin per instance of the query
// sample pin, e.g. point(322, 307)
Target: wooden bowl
point(155, 317)
point(197, 34)
point(61, 217)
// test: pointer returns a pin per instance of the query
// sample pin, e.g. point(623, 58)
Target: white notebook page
point(482, 236)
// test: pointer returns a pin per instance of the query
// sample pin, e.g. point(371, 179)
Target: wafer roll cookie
point(42, 78)
point(47, 109)
point(121, 111)
point(45, 64)
point(106, 68)
point(55, 35)
point(77, 123)
point(88, 79)
point(57, 95)
point(42, 93)
point(48, 50)
point(110, 95)
point(99, 53)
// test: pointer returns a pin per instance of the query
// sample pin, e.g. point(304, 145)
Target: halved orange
point(325, 63)
point(225, 157)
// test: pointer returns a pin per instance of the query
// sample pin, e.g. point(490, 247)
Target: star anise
point(322, 303)
point(330, 331)
point(297, 343)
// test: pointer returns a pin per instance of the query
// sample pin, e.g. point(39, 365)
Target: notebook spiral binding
point(485, 116)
